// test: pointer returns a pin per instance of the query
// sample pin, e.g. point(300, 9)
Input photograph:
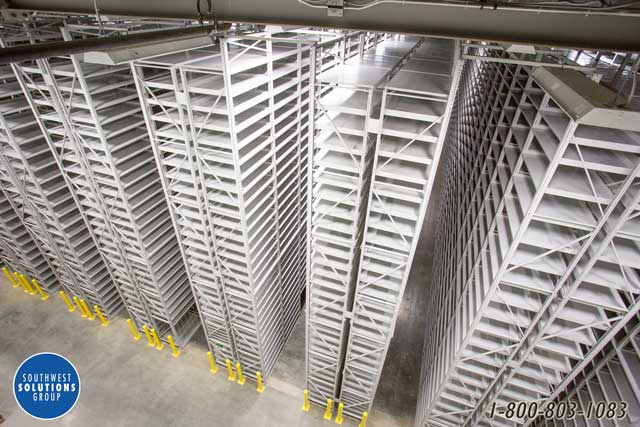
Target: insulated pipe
point(588, 28)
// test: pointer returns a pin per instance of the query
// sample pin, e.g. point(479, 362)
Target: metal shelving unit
point(222, 186)
point(529, 55)
point(333, 48)
point(342, 157)
point(378, 134)
point(228, 123)
point(414, 115)
point(471, 158)
point(545, 243)
point(612, 375)
point(19, 252)
point(32, 179)
point(93, 125)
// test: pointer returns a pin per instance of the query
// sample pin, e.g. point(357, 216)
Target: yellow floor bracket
point(328, 413)
point(363, 423)
point(174, 350)
point(241, 379)
point(232, 375)
point(305, 405)
point(79, 304)
point(10, 277)
point(260, 388)
point(87, 310)
point(212, 363)
point(27, 285)
point(339, 416)
point(66, 300)
point(24, 288)
point(103, 320)
point(17, 275)
point(150, 340)
point(43, 296)
point(134, 331)
point(156, 339)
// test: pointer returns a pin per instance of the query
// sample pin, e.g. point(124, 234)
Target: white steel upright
point(610, 379)
point(538, 270)
point(19, 250)
point(340, 156)
point(32, 181)
point(414, 116)
point(92, 122)
point(229, 132)
point(380, 122)
point(35, 186)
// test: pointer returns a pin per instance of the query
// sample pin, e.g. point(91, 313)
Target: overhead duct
point(614, 28)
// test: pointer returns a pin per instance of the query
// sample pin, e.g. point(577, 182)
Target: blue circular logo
point(46, 386)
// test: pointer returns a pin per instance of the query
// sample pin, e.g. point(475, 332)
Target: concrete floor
point(126, 383)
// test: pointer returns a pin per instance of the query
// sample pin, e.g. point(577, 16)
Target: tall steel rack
point(229, 124)
point(341, 160)
point(10, 258)
point(612, 376)
point(19, 250)
point(93, 124)
point(546, 267)
point(334, 48)
point(476, 114)
point(414, 114)
point(49, 212)
point(354, 143)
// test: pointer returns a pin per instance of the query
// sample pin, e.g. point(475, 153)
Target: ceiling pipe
point(486, 20)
